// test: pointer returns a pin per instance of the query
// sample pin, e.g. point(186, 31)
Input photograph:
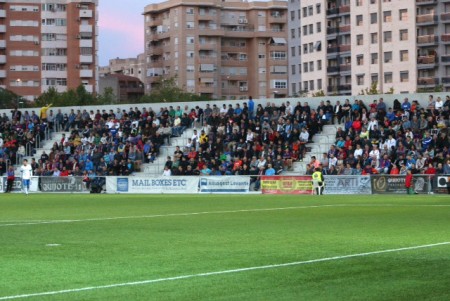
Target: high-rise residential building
point(219, 48)
point(344, 46)
point(48, 43)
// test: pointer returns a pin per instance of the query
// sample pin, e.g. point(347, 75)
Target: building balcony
point(86, 73)
point(345, 29)
point(445, 59)
point(234, 77)
point(426, 2)
point(445, 17)
point(239, 33)
point(445, 38)
point(89, 59)
point(230, 62)
point(206, 89)
point(277, 19)
point(2, 59)
point(89, 88)
point(428, 19)
point(2, 44)
point(153, 22)
point(206, 17)
point(333, 70)
point(427, 59)
point(427, 81)
point(86, 13)
point(212, 32)
point(344, 9)
point(428, 40)
point(2, 73)
point(340, 88)
point(86, 28)
point(86, 43)
point(337, 49)
point(332, 11)
point(155, 51)
point(446, 80)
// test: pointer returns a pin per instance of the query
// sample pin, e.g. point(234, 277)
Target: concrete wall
point(313, 102)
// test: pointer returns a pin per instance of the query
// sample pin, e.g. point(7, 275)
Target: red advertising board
point(286, 185)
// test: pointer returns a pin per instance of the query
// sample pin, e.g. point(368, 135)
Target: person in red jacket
point(409, 182)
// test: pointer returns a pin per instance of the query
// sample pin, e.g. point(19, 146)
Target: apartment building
point(48, 43)
point(134, 67)
point(399, 45)
point(220, 48)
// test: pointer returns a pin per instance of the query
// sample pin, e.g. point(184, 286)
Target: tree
point(373, 90)
point(107, 97)
point(390, 91)
point(8, 99)
point(319, 93)
point(167, 90)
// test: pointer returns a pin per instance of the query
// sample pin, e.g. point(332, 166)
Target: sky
point(121, 26)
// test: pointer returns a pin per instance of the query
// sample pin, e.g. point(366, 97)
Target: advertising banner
point(347, 185)
point(286, 185)
point(224, 184)
point(442, 182)
point(62, 184)
point(17, 186)
point(152, 184)
point(395, 184)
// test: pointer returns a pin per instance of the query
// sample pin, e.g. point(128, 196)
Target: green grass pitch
point(96, 247)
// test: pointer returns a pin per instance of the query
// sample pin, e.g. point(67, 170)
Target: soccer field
point(224, 247)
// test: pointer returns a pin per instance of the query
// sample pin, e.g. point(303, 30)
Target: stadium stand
point(221, 139)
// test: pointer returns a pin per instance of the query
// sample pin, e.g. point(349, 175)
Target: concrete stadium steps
point(321, 144)
point(157, 167)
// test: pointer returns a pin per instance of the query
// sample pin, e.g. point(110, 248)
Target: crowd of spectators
point(20, 134)
point(376, 139)
point(238, 139)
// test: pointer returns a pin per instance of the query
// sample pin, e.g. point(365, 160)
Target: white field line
point(9, 224)
point(263, 267)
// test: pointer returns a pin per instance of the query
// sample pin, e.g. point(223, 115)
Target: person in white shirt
point(358, 151)
point(26, 171)
point(375, 153)
point(304, 135)
point(167, 172)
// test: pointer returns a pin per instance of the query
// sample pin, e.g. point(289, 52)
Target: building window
point(311, 66)
point(318, 8)
point(404, 57)
point(388, 77)
point(403, 34)
point(305, 12)
point(189, 10)
point(359, 39)
point(387, 36)
point(360, 80)
point(360, 60)
point(190, 40)
point(310, 10)
point(359, 20)
point(305, 30)
point(305, 67)
point(404, 76)
point(190, 25)
point(319, 65)
point(403, 15)
point(374, 38)
point(278, 55)
point(359, 2)
point(319, 84)
point(388, 57)
point(374, 78)
point(373, 18)
point(374, 58)
point(294, 87)
point(292, 69)
point(293, 51)
point(279, 84)
point(387, 16)
point(319, 26)
point(293, 33)
point(311, 28)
